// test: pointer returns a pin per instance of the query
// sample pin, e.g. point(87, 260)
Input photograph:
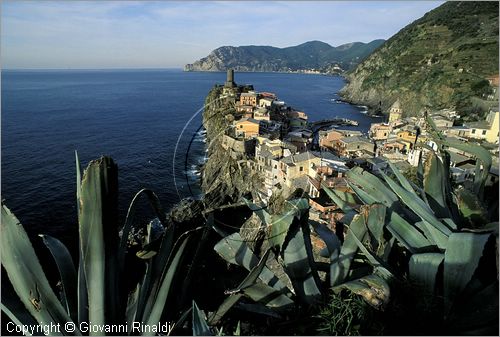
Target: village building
point(244, 108)
point(328, 138)
point(442, 122)
point(296, 114)
point(265, 102)
point(246, 128)
point(486, 130)
point(398, 145)
point(354, 146)
point(460, 132)
point(380, 131)
point(395, 112)
point(295, 166)
point(261, 114)
point(248, 98)
point(407, 136)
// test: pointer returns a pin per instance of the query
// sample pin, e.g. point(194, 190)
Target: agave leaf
point(417, 206)
point(366, 198)
point(348, 250)
point(434, 130)
point(255, 272)
point(333, 246)
point(299, 205)
point(234, 250)
point(259, 308)
point(280, 223)
point(13, 307)
point(159, 298)
point(347, 197)
point(200, 327)
point(423, 268)
point(67, 272)
point(237, 332)
point(420, 171)
point(299, 263)
point(434, 185)
point(97, 224)
point(373, 186)
point(407, 235)
point(143, 295)
point(267, 295)
point(155, 205)
point(26, 274)
point(249, 280)
point(374, 289)
point(461, 260)
point(132, 300)
point(180, 321)
point(228, 303)
point(479, 152)
point(375, 261)
point(342, 204)
point(433, 234)
point(152, 281)
point(471, 207)
point(402, 179)
point(83, 301)
point(78, 181)
point(375, 221)
point(259, 210)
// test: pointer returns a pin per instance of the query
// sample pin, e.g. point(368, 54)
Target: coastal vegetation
point(441, 60)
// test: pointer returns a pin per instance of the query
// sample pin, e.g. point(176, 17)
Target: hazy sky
point(158, 34)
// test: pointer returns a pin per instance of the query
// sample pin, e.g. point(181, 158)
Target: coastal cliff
point(313, 55)
point(441, 60)
point(224, 179)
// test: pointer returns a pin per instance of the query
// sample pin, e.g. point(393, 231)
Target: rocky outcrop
point(438, 61)
point(313, 55)
point(224, 178)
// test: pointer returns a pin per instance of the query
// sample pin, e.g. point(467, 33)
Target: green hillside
point(310, 55)
point(441, 60)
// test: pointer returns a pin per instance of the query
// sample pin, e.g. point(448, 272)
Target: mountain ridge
point(310, 55)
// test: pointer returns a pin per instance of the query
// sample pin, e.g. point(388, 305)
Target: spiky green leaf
point(461, 260)
point(423, 269)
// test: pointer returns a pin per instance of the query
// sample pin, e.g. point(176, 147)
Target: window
point(275, 166)
point(241, 126)
point(484, 132)
point(473, 130)
point(301, 169)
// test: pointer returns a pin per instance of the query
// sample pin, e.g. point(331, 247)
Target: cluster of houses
point(277, 142)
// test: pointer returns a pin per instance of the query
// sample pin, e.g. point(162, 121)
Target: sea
point(147, 120)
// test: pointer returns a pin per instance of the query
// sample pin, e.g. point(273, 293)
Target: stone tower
point(230, 79)
point(395, 113)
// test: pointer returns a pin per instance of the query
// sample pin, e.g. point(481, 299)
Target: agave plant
point(451, 261)
point(289, 247)
point(96, 291)
point(425, 224)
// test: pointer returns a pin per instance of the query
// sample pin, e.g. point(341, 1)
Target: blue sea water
point(136, 117)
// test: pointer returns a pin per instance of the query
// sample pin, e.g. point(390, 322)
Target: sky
point(169, 34)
